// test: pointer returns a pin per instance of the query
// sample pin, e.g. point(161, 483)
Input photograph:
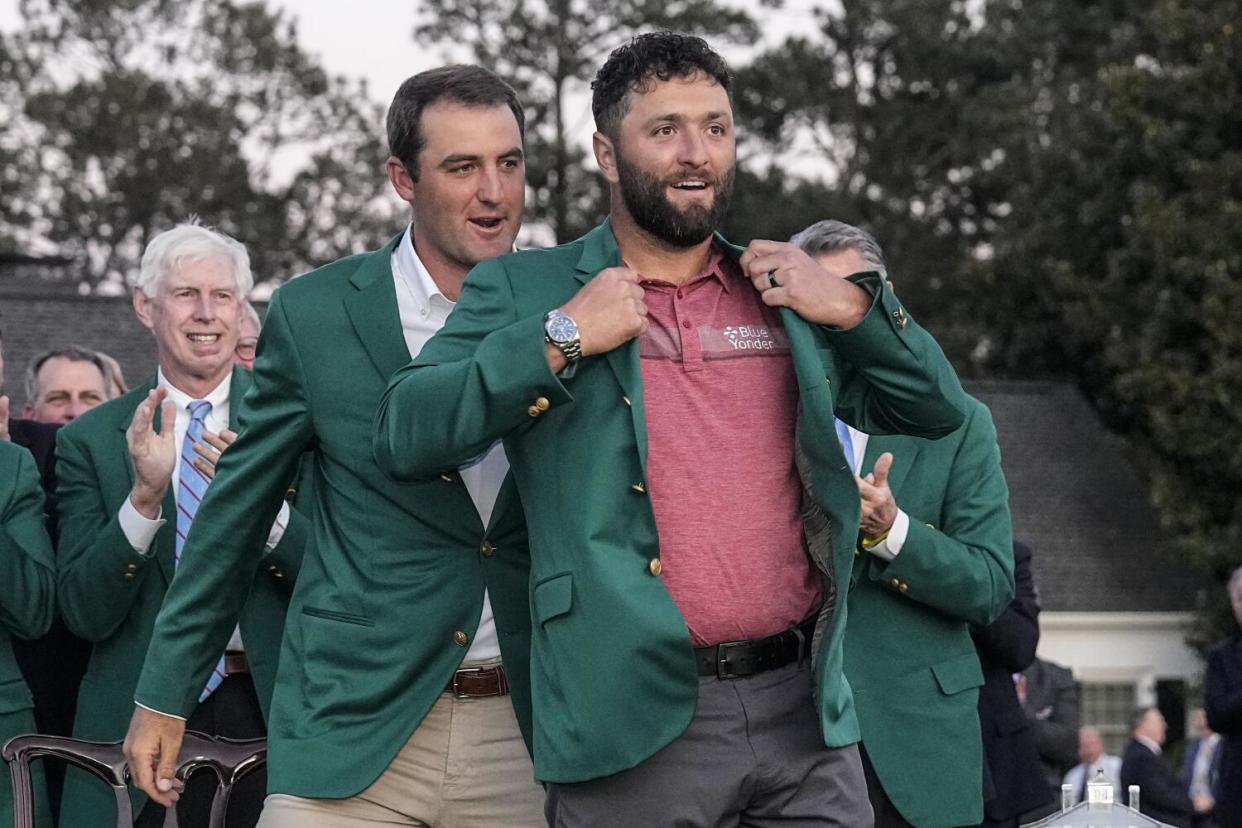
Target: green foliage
point(132, 116)
point(1057, 187)
point(1127, 240)
point(549, 50)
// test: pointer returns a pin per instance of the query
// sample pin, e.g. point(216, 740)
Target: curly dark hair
point(646, 59)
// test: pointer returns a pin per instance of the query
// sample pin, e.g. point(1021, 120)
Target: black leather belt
point(735, 659)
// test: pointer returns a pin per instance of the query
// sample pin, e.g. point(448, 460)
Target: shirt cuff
point(278, 527)
point(138, 529)
point(159, 712)
point(890, 547)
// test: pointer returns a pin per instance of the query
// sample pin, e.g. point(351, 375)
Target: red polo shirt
point(721, 405)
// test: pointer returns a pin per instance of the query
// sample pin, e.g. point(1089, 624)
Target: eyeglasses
point(246, 347)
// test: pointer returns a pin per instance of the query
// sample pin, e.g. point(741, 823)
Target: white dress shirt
point(888, 548)
point(424, 309)
point(140, 530)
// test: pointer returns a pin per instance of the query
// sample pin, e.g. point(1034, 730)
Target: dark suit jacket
point(40, 438)
point(1188, 766)
point(1052, 705)
point(1222, 698)
point(1161, 795)
point(1013, 781)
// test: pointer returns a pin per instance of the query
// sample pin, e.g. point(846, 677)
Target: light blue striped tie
point(847, 444)
point(191, 487)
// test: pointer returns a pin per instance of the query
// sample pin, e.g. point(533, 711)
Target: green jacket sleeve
point(895, 379)
point(96, 586)
point(226, 542)
point(960, 562)
point(27, 568)
point(471, 385)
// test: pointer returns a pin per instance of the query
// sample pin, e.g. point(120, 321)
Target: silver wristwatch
point(561, 330)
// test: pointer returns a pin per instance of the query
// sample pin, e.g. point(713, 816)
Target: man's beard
point(649, 206)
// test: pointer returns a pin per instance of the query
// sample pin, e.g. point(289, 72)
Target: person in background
point(131, 473)
point(935, 554)
point(64, 383)
point(1013, 782)
point(1222, 701)
point(1050, 698)
point(1092, 762)
point(1161, 795)
point(1201, 769)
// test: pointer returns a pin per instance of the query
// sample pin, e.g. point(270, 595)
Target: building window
point(1107, 706)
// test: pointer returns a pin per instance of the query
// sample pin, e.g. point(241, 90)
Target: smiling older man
point(131, 473)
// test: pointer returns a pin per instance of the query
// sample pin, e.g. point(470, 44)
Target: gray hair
point(191, 241)
point(1234, 579)
point(830, 235)
point(72, 353)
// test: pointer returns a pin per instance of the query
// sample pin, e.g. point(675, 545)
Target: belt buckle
point(722, 651)
point(456, 684)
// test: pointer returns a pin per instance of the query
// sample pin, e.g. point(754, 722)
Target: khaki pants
point(466, 766)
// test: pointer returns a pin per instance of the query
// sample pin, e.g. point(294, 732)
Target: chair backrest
point(230, 760)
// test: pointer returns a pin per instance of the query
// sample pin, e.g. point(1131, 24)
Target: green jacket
point(393, 573)
point(27, 601)
point(908, 651)
point(613, 674)
point(110, 594)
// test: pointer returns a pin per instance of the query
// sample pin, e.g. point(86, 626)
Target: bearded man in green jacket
point(666, 401)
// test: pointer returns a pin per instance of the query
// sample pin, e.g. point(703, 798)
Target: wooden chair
point(230, 760)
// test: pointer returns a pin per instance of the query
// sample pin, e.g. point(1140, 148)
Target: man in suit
point(1201, 769)
point(403, 690)
point(64, 383)
point(131, 473)
point(27, 597)
point(691, 517)
point(935, 554)
point(1093, 762)
point(1161, 795)
point(1013, 779)
point(1222, 699)
point(1049, 696)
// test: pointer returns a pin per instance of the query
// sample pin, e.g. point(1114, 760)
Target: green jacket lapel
point(372, 310)
point(600, 251)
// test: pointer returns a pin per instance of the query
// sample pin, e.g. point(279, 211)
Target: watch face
point(560, 328)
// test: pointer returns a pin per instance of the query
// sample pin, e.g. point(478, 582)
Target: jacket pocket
point(333, 615)
point(553, 597)
point(959, 673)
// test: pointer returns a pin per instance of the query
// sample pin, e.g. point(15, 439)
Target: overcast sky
point(373, 38)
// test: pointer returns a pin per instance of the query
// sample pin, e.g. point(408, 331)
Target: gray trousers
point(753, 756)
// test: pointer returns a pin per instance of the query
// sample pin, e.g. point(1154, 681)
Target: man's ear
point(605, 156)
point(400, 178)
point(142, 307)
